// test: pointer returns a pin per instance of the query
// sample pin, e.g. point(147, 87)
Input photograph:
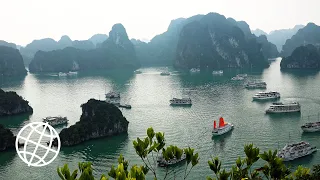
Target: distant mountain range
point(278, 37)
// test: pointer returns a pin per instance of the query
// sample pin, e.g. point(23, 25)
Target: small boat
point(127, 106)
point(194, 70)
point(296, 150)
point(223, 128)
point(165, 73)
point(311, 127)
point(113, 94)
point(183, 101)
point(55, 121)
point(220, 72)
point(256, 85)
point(114, 101)
point(237, 78)
point(242, 75)
point(62, 74)
point(72, 73)
point(163, 163)
point(280, 107)
point(137, 72)
point(272, 95)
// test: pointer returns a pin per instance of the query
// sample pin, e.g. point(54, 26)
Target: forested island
point(11, 62)
point(98, 119)
point(7, 140)
point(11, 104)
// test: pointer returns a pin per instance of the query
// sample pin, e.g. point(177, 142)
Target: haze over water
point(149, 94)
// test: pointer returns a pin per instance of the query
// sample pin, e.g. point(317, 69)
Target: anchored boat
point(183, 101)
point(256, 85)
point(223, 128)
point(163, 163)
point(272, 95)
point(55, 121)
point(280, 107)
point(113, 95)
point(296, 150)
point(311, 127)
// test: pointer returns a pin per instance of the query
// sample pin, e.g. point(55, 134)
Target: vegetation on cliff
point(11, 62)
point(310, 34)
point(116, 52)
point(98, 119)
point(303, 57)
point(150, 147)
point(269, 50)
point(11, 103)
point(216, 42)
point(7, 139)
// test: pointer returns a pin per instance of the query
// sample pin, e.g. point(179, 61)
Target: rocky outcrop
point(259, 32)
point(310, 34)
point(115, 53)
point(269, 50)
point(303, 57)
point(11, 104)
point(64, 42)
point(215, 42)
point(7, 140)
point(98, 119)
point(11, 62)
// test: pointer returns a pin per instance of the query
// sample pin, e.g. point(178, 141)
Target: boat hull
point(297, 157)
point(265, 98)
point(279, 112)
point(311, 129)
point(220, 132)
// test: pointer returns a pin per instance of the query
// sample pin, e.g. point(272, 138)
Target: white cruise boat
point(165, 73)
point(256, 85)
point(296, 150)
point(72, 73)
point(311, 127)
point(266, 95)
point(242, 75)
point(55, 121)
point(183, 101)
point(280, 107)
point(237, 78)
point(194, 70)
point(137, 72)
point(61, 74)
point(113, 95)
point(220, 72)
point(163, 163)
point(223, 128)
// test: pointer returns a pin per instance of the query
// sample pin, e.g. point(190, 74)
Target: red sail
point(214, 125)
point(221, 122)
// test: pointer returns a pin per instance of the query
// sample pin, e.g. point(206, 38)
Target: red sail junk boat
point(223, 128)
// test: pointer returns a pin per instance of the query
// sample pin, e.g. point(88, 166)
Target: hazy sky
point(25, 20)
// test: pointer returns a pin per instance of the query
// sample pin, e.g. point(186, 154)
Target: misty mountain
point(11, 62)
point(310, 34)
point(259, 32)
point(279, 37)
point(4, 43)
point(269, 50)
point(216, 42)
point(303, 57)
point(98, 38)
point(115, 52)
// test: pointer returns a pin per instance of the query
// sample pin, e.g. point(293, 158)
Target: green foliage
point(7, 139)
point(274, 169)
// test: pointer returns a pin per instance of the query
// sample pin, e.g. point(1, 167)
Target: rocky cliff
point(11, 103)
point(4, 43)
point(215, 42)
point(303, 57)
point(269, 50)
point(7, 140)
point(11, 62)
point(98, 119)
point(310, 34)
point(116, 52)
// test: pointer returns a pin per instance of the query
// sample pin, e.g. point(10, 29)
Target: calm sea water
point(149, 93)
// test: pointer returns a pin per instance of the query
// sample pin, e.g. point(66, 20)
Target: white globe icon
point(37, 139)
